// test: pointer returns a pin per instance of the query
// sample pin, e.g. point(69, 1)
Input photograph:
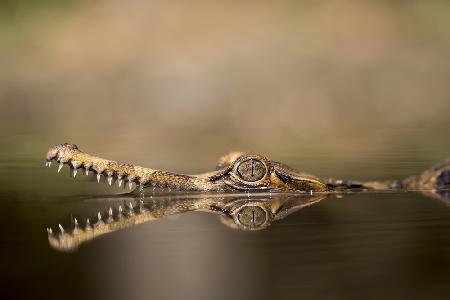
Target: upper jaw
point(57, 152)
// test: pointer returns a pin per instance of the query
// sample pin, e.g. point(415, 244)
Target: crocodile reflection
point(242, 212)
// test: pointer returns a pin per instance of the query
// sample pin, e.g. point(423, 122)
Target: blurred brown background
point(352, 89)
point(345, 88)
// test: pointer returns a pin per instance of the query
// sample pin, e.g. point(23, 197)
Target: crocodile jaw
point(277, 177)
point(124, 173)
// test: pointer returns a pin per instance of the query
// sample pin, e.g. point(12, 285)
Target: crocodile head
point(243, 171)
point(236, 171)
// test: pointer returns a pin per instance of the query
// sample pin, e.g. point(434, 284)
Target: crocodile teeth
point(75, 173)
point(87, 166)
point(98, 178)
point(75, 164)
point(48, 164)
point(60, 167)
point(130, 179)
point(110, 180)
point(130, 185)
point(49, 231)
point(61, 228)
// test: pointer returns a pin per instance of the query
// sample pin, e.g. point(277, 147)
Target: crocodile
point(282, 191)
point(236, 172)
point(242, 212)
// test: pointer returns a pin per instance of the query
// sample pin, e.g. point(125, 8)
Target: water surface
point(376, 245)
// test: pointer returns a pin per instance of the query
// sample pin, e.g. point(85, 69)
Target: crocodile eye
point(252, 216)
point(251, 170)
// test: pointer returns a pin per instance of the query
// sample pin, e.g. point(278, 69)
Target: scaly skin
point(272, 175)
point(237, 171)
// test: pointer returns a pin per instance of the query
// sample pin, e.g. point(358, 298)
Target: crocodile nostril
point(443, 179)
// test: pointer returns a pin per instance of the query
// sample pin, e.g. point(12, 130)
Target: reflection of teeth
point(110, 216)
point(76, 229)
point(130, 209)
point(75, 172)
point(88, 225)
point(142, 209)
point(98, 178)
point(99, 220)
point(71, 238)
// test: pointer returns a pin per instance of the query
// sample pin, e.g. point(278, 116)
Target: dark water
point(371, 246)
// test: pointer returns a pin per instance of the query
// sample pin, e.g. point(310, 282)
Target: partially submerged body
point(236, 171)
point(289, 190)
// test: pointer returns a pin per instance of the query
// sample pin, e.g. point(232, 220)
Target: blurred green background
point(336, 88)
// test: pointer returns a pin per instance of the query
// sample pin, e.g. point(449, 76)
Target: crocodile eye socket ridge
point(251, 170)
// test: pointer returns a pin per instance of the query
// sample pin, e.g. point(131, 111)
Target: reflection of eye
point(251, 170)
point(252, 216)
